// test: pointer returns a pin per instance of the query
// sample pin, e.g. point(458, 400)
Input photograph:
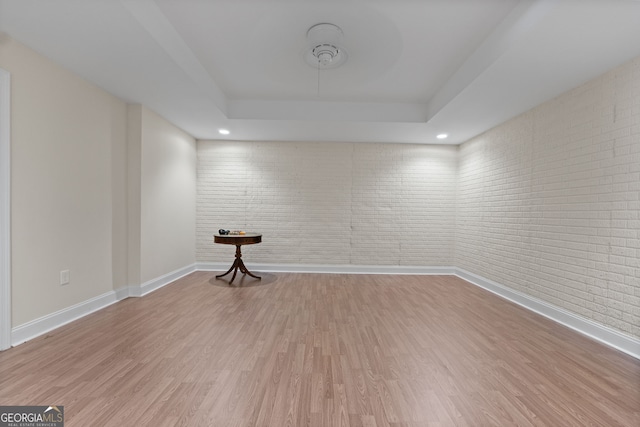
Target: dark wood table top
point(238, 239)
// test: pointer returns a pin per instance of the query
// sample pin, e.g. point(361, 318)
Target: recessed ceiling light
point(224, 131)
point(442, 136)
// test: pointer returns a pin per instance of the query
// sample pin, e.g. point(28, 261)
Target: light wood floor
point(322, 350)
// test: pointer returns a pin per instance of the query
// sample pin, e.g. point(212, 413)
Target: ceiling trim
point(521, 20)
point(149, 15)
point(327, 110)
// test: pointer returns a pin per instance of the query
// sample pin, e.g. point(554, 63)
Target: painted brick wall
point(329, 203)
point(549, 202)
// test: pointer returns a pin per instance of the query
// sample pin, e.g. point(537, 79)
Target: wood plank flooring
point(322, 350)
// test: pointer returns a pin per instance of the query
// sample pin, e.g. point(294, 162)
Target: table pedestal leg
point(238, 264)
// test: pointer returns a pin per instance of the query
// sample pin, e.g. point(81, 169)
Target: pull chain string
point(318, 95)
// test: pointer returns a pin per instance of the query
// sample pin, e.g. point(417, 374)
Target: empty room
point(363, 213)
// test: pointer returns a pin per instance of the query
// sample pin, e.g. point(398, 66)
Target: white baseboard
point(159, 282)
point(41, 326)
point(122, 293)
point(610, 337)
point(331, 269)
point(625, 343)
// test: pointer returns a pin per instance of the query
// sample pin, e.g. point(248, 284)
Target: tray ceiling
point(414, 68)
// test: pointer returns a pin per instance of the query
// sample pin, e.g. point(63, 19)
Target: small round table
point(238, 240)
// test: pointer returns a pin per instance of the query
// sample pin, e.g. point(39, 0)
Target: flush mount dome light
point(325, 46)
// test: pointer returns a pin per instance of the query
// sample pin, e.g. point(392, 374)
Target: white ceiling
point(415, 68)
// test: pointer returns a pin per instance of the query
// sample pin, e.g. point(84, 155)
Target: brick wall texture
point(546, 203)
point(329, 203)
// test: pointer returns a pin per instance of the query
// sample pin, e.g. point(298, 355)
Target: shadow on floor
point(244, 281)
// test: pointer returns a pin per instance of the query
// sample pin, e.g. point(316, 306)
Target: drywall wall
point(101, 189)
point(167, 197)
point(329, 203)
point(119, 201)
point(62, 192)
point(134, 160)
point(549, 202)
point(161, 196)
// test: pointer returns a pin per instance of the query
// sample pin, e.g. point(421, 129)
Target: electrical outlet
point(64, 277)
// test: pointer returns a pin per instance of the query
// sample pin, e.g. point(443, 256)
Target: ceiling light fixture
point(442, 136)
point(325, 46)
point(223, 131)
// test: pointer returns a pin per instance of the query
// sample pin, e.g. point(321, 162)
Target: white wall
point(63, 133)
point(549, 202)
point(119, 203)
point(329, 203)
point(167, 197)
point(5, 210)
point(99, 188)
